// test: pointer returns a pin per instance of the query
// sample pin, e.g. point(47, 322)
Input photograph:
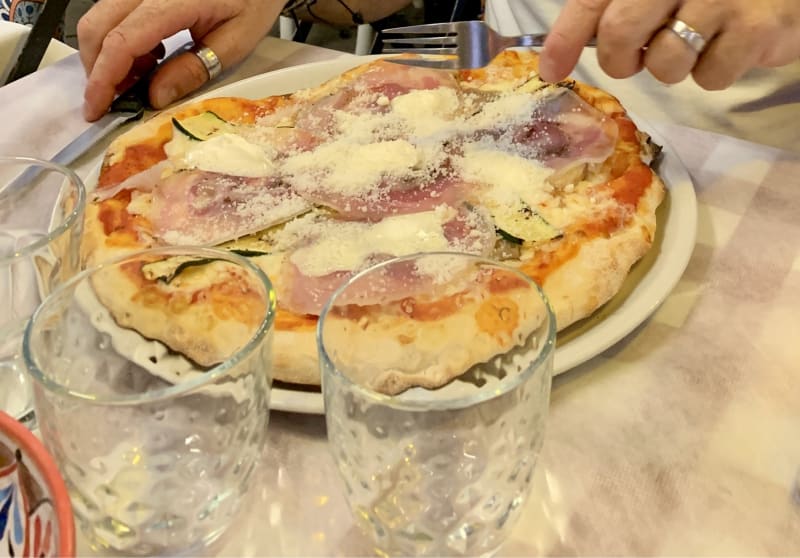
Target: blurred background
point(335, 23)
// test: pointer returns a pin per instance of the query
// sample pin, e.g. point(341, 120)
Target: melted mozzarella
point(224, 153)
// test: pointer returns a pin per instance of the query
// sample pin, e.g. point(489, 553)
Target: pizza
point(383, 160)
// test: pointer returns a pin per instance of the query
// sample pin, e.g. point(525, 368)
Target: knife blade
point(127, 107)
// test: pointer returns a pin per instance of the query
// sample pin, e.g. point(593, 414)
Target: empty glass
point(441, 469)
point(41, 219)
point(157, 440)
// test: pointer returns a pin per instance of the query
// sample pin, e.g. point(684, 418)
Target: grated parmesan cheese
point(346, 246)
point(505, 109)
point(427, 111)
point(349, 169)
point(507, 177)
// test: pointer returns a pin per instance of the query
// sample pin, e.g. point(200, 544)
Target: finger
point(141, 67)
point(139, 33)
point(176, 78)
point(185, 73)
point(669, 57)
point(575, 25)
point(725, 60)
point(625, 27)
point(95, 24)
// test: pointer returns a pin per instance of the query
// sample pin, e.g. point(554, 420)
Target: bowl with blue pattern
point(35, 511)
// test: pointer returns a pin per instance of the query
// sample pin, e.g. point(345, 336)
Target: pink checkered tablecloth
point(682, 439)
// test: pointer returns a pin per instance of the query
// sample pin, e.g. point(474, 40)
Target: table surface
point(683, 438)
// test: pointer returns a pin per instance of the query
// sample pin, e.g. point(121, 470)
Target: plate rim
point(677, 247)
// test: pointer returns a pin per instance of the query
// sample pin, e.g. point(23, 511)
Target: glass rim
point(173, 390)
point(506, 384)
point(69, 221)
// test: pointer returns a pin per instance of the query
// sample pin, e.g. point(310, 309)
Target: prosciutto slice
point(306, 293)
point(204, 208)
point(392, 80)
point(394, 197)
point(140, 182)
point(371, 92)
point(562, 130)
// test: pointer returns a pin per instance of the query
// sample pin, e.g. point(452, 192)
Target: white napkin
point(42, 112)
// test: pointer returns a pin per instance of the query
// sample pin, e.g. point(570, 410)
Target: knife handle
point(133, 100)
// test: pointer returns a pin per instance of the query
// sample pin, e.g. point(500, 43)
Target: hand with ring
point(120, 41)
point(716, 41)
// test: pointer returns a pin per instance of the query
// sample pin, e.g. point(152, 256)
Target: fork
point(473, 43)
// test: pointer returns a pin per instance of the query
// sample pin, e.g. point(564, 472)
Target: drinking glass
point(157, 439)
point(436, 373)
point(41, 219)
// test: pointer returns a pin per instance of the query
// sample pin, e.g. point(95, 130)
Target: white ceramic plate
point(649, 283)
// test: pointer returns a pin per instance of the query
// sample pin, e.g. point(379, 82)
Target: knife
point(127, 107)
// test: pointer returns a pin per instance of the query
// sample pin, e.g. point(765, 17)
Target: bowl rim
point(37, 452)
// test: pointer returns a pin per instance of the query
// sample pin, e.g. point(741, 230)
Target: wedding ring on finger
point(688, 34)
point(209, 59)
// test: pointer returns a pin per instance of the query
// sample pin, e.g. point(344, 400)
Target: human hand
point(739, 35)
point(120, 40)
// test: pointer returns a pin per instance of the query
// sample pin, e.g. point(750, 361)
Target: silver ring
point(209, 59)
point(688, 34)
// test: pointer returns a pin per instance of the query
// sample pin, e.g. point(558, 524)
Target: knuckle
point(86, 28)
point(115, 40)
point(615, 27)
point(557, 40)
point(665, 65)
point(757, 27)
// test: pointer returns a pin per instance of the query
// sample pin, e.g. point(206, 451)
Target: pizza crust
point(390, 353)
point(207, 333)
point(595, 274)
point(295, 357)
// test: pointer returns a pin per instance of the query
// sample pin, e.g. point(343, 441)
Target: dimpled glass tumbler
point(157, 443)
point(41, 219)
point(436, 374)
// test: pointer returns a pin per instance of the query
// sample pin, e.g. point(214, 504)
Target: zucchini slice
point(167, 270)
point(520, 223)
point(202, 126)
